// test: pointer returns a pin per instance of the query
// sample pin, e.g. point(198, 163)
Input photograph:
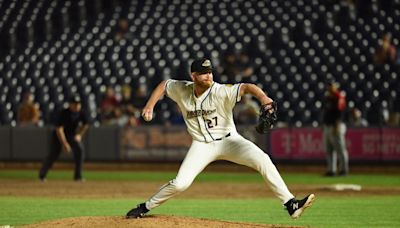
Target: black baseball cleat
point(80, 180)
point(296, 207)
point(137, 212)
point(42, 179)
point(329, 174)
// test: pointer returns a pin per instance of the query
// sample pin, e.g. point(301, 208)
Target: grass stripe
point(290, 178)
point(326, 212)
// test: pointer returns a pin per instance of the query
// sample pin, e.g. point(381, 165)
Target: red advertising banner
point(362, 144)
point(390, 148)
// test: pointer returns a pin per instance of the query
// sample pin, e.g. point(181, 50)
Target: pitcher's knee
point(181, 186)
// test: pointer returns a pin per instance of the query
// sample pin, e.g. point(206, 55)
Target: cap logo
point(206, 63)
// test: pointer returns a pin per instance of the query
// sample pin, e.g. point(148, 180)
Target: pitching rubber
point(308, 204)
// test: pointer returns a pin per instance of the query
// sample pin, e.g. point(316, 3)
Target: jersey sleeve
point(173, 89)
point(232, 94)
point(341, 101)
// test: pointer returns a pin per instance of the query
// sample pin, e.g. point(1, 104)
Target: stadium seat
point(56, 48)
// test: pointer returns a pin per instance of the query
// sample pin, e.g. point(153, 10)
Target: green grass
point(248, 177)
point(338, 211)
point(326, 212)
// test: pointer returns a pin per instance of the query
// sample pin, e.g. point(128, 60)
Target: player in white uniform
point(207, 109)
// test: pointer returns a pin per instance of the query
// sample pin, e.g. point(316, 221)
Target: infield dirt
point(152, 221)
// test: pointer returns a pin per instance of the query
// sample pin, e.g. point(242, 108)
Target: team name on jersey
point(196, 113)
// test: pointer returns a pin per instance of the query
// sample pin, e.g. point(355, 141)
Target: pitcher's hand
point(147, 114)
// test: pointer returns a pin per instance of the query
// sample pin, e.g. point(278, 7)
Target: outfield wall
point(160, 144)
point(106, 143)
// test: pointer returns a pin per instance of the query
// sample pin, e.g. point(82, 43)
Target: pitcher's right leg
point(198, 157)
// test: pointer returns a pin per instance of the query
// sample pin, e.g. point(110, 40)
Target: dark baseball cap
point(202, 65)
point(331, 82)
point(75, 99)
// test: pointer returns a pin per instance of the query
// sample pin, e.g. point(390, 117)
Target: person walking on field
point(207, 109)
point(71, 125)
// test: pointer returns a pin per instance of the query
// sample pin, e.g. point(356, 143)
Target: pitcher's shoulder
point(179, 83)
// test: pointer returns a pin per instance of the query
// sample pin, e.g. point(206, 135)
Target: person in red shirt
point(108, 106)
point(334, 131)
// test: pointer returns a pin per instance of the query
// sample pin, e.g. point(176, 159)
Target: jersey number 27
point(210, 123)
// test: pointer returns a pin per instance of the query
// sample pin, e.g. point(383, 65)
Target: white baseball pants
point(235, 149)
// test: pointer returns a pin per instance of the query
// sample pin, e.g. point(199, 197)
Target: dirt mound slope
point(152, 221)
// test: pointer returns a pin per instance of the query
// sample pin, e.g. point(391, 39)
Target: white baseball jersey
point(208, 117)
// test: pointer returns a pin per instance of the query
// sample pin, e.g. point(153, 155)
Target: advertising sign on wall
point(362, 144)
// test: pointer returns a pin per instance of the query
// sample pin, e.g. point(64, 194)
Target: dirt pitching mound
point(151, 221)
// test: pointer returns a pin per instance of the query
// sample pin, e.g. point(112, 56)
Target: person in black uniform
point(71, 124)
point(334, 131)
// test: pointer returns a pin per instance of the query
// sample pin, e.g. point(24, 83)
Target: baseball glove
point(268, 117)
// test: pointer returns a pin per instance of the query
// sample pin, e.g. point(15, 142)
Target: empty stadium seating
point(56, 48)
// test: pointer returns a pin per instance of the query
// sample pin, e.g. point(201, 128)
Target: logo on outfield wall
point(154, 143)
point(160, 143)
point(362, 143)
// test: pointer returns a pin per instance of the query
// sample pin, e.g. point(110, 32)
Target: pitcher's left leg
point(241, 151)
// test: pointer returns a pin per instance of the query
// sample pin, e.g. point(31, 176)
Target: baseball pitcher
point(207, 109)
